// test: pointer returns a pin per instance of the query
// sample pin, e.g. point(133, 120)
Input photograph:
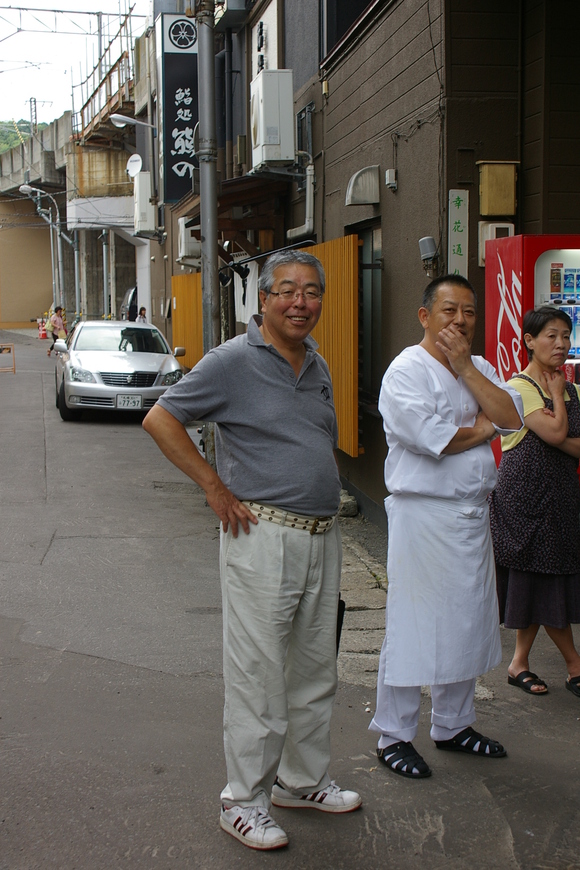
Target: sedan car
point(115, 365)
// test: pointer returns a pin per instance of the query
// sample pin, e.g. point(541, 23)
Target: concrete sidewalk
point(111, 701)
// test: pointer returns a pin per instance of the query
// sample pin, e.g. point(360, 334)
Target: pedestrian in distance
point(441, 407)
point(55, 327)
point(535, 508)
point(276, 492)
point(142, 316)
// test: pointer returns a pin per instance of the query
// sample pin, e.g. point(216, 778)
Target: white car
point(113, 365)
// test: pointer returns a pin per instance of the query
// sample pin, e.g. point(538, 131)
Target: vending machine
point(523, 272)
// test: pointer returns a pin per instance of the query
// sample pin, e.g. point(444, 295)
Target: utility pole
point(207, 156)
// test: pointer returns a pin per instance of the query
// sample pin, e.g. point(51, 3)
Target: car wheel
point(67, 414)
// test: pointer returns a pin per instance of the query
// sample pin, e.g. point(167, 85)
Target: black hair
point(431, 289)
point(537, 318)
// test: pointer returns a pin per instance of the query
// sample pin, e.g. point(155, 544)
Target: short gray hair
point(287, 258)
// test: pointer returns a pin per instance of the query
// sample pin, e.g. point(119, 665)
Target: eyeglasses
point(291, 295)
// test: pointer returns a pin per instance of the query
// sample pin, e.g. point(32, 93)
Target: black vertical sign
point(178, 108)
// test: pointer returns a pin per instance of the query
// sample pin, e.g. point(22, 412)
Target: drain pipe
point(308, 225)
point(105, 237)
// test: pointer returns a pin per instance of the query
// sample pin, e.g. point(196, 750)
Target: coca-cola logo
point(509, 318)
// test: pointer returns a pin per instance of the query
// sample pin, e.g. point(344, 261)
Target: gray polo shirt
point(275, 433)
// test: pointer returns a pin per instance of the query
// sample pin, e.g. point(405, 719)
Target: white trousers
point(397, 711)
point(280, 597)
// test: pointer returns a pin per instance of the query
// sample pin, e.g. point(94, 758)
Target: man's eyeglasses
point(291, 295)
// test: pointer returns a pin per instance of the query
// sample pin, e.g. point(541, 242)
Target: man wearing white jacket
point(441, 407)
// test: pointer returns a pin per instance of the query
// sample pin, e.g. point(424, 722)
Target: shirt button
point(466, 407)
point(485, 479)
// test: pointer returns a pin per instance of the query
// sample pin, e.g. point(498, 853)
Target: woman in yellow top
point(535, 508)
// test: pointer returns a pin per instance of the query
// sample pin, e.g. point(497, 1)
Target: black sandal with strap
point(403, 758)
point(472, 742)
point(526, 680)
point(573, 685)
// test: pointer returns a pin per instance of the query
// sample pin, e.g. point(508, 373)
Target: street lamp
point(30, 191)
point(122, 121)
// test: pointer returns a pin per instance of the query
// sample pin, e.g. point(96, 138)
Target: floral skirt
point(530, 598)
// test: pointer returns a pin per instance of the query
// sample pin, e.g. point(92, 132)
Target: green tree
point(10, 137)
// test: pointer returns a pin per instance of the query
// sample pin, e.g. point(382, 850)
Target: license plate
point(129, 402)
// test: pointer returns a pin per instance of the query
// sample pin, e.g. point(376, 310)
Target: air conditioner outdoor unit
point(144, 219)
point(272, 118)
point(188, 247)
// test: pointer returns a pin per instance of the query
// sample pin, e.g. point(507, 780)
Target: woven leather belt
point(314, 525)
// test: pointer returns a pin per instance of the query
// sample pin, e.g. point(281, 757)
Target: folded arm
point(471, 436)
point(571, 446)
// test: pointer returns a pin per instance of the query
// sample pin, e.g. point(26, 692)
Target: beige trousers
point(280, 596)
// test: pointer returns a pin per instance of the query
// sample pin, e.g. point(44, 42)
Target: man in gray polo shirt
point(270, 395)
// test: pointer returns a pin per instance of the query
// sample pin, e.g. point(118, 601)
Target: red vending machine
point(522, 272)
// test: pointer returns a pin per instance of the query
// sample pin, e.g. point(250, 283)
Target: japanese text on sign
point(458, 232)
point(183, 144)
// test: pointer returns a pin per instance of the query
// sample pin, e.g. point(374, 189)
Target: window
point(336, 16)
point(370, 279)
point(304, 136)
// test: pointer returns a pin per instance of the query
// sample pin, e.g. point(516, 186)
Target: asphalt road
point(111, 692)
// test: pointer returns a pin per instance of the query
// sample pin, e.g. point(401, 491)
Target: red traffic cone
point(42, 330)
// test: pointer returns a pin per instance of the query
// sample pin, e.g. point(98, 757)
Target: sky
point(46, 64)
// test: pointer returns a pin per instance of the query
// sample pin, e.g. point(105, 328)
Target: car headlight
point(172, 378)
point(77, 374)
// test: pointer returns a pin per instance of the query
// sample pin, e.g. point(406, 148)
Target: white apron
point(442, 610)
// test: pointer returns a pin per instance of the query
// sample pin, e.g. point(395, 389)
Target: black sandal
point(525, 680)
point(404, 759)
point(573, 685)
point(472, 742)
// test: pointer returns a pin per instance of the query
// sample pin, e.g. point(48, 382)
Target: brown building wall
point(383, 109)
point(551, 117)
point(533, 118)
point(25, 264)
point(482, 108)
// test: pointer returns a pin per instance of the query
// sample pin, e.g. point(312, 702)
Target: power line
point(67, 12)
point(46, 27)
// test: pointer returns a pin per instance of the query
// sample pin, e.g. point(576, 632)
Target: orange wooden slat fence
point(336, 332)
point(186, 316)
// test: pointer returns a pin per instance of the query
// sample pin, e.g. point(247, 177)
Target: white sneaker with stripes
point(253, 826)
point(330, 799)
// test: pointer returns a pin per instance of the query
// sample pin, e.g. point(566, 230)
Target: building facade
point(449, 121)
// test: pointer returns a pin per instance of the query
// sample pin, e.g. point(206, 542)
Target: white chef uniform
point(442, 625)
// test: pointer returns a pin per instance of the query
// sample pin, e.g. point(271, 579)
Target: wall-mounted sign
point(458, 232)
point(176, 40)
